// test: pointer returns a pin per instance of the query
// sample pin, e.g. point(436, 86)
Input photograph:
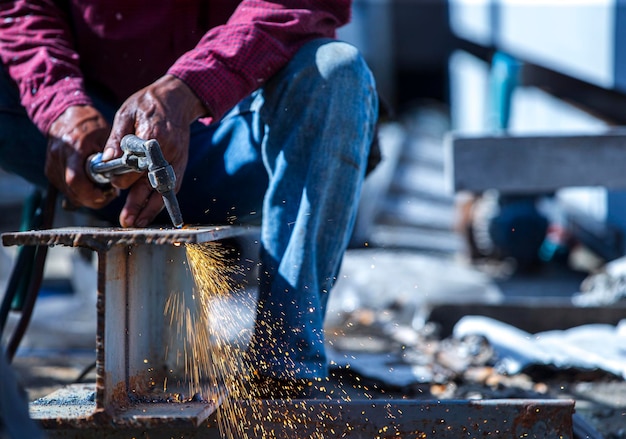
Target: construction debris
point(586, 348)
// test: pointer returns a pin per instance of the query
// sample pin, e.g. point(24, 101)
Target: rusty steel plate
point(387, 419)
point(361, 419)
point(73, 407)
point(99, 239)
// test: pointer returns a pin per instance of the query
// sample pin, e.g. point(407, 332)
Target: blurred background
point(482, 68)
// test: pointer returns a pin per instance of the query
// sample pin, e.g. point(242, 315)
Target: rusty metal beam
point(138, 269)
point(386, 419)
point(382, 419)
point(134, 285)
point(74, 409)
point(102, 239)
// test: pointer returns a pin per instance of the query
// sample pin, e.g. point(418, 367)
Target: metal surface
point(367, 419)
point(74, 408)
point(504, 419)
point(138, 270)
point(531, 164)
point(102, 239)
point(134, 285)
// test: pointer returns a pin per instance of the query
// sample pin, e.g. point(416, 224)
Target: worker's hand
point(73, 137)
point(162, 111)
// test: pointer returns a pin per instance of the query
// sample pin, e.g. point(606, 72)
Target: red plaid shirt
point(222, 49)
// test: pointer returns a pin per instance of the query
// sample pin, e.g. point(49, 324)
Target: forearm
point(233, 60)
point(36, 48)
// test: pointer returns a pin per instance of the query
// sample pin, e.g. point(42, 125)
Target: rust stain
point(118, 395)
point(551, 417)
point(100, 327)
point(141, 387)
point(97, 417)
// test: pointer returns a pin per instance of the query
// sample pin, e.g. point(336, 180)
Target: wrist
point(190, 104)
point(73, 116)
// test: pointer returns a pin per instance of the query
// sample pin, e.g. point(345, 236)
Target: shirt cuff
point(217, 87)
point(50, 102)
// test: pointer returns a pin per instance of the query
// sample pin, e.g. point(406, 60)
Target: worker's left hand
point(162, 111)
point(79, 132)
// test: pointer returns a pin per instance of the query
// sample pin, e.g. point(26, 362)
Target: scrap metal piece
point(527, 314)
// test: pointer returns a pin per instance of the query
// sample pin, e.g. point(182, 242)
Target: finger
point(142, 205)
point(81, 190)
point(125, 181)
point(153, 208)
point(103, 196)
point(123, 123)
point(93, 197)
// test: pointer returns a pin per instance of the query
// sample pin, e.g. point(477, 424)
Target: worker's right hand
point(163, 110)
point(73, 137)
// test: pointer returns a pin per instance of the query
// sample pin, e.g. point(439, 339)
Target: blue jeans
point(292, 157)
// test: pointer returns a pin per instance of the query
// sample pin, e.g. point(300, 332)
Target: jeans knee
point(343, 68)
point(347, 74)
point(342, 65)
point(330, 65)
point(327, 88)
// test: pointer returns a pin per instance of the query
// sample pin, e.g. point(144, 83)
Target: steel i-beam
point(137, 271)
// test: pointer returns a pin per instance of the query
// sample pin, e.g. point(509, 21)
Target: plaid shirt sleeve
point(233, 60)
point(36, 49)
point(228, 63)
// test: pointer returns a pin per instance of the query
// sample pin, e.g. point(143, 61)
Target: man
point(262, 115)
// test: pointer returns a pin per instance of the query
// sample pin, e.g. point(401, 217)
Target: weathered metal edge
point(102, 239)
point(448, 419)
point(74, 407)
point(504, 418)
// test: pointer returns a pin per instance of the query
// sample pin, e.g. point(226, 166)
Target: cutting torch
point(140, 155)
